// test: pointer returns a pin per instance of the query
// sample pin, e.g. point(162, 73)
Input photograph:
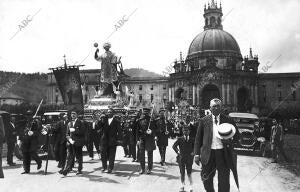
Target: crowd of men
point(138, 133)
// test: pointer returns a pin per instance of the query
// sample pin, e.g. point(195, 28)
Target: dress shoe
point(109, 171)
point(39, 166)
point(103, 170)
point(133, 160)
point(148, 171)
point(59, 166)
point(142, 172)
point(78, 173)
point(65, 172)
point(25, 172)
point(61, 171)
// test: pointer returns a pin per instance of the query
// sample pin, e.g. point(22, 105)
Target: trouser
point(184, 165)
point(72, 152)
point(277, 148)
point(108, 154)
point(142, 158)
point(10, 150)
point(162, 152)
point(216, 162)
point(94, 141)
point(27, 156)
point(61, 149)
point(132, 150)
point(1, 170)
point(138, 154)
point(126, 149)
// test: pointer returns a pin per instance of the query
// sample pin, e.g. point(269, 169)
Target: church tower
point(213, 16)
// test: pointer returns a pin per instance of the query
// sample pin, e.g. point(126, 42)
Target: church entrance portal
point(208, 93)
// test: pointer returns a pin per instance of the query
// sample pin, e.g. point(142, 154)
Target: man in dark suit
point(214, 153)
point(111, 137)
point(145, 137)
point(132, 137)
point(75, 136)
point(94, 138)
point(2, 139)
point(29, 143)
point(61, 140)
point(11, 140)
point(162, 133)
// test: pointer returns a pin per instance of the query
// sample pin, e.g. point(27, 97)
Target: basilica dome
point(215, 41)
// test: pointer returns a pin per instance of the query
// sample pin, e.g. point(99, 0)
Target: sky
point(35, 34)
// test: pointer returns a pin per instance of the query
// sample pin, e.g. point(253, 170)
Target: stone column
point(223, 94)
point(170, 93)
point(256, 95)
point(234, 96)
point(228, 94)
point(194, 94)
point(199, 95)
point(173, 94)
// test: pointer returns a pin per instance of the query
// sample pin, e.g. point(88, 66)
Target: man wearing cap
point(162, 133)
point(145, 137)
point(29, 144)
point(215, 153)
point(75, 136)
point(111, 137)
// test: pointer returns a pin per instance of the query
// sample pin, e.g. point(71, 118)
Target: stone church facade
point(214, 67)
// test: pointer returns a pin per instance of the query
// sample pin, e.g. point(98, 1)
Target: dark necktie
point(216, 120)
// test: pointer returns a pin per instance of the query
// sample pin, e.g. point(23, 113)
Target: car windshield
point(244, 120)
point(50, 118)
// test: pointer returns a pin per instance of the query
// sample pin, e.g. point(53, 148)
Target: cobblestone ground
point(255, 175)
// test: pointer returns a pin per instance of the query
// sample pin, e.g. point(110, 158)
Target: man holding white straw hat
point(213, 147)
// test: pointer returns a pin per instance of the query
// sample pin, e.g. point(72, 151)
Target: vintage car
point(250, 132)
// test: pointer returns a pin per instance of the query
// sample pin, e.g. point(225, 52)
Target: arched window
point(212, 21)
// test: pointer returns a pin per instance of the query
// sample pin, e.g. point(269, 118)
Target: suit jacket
point(78, 135)
point(2, 134)
point(203, 140)
point(111, 134)
point(184, 149)
point(61, 131)
point(30, 143)
point(146, 140)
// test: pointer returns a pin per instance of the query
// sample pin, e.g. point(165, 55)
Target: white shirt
point(110, 120)
point(73, 122)
point(216, 142)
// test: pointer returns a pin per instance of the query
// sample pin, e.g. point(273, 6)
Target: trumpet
point(46, 129)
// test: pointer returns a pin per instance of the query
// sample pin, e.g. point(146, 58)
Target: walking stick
point(48, 146)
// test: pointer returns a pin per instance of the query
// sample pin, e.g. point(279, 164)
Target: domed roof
point(214, 40)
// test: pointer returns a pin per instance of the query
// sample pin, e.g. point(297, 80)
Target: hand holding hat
point(225, 131)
